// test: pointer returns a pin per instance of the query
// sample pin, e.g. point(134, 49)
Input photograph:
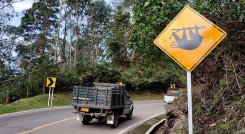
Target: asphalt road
point(63, 121)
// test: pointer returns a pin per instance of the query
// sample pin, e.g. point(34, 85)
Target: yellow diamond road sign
point(189, 38)
point(50, 82)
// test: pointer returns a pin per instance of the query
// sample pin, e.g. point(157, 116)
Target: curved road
point(63, 121)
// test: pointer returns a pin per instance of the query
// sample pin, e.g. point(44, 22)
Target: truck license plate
point(84, 109)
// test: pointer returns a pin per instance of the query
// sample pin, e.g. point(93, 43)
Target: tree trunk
point(57, 38)
point(63, 47)
point(7, 97)
point(44, 85)
point(27, 92)
point(96, 47)
point(42, 42)
point(70, 50)
point(77, 32)
point(28, 87)
point(133, 56)
point(46, 26)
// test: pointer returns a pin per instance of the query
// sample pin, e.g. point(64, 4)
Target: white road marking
point(47, 125)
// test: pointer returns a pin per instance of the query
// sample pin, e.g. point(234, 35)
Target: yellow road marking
point(47, 125)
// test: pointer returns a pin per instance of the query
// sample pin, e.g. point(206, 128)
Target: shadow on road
point(122, 120)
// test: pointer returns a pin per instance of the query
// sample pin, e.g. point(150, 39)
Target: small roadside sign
point(189, 38)
point(50, 82)
point(172, 85)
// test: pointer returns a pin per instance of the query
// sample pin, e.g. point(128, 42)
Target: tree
point(96, 32)
point(40, 22)
point(150, 17)
point(39, 28)
point(7, 39)
point(77, 10)
point(121, 30)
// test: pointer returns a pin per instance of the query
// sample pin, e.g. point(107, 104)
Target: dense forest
point(82, 41)
point(79, 42)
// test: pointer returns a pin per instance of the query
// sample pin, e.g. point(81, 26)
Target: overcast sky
point(23, 5)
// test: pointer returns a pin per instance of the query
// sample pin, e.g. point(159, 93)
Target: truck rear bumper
point(109, 118)
point(93, 114)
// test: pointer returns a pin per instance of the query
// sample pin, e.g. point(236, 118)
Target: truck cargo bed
point(102, 95)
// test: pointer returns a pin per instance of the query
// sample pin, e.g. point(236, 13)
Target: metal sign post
point(49, 95)
point(52, 96)
point(189, 100)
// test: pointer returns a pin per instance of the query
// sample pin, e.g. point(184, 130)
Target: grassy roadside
point(40, 101)
point(64, 99)
point(153, 95)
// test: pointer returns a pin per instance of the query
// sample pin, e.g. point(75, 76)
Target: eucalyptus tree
point(39, 26)
point(7, 58)
point(77, 12)
point(121, 30)
point(98, 30)
point(7, 39)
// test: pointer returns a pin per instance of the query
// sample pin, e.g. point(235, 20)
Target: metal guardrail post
point(77, 94)
point(96, 96)
point(106, 96)
point(87, 95)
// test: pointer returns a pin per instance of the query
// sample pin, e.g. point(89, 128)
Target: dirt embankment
point(208, 115)
point(176, 116)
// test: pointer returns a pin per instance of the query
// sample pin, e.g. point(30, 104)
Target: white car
point(169, 99)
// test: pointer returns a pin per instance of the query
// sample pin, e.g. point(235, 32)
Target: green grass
point(146, 95)
point(64, 99)
point(40, 101)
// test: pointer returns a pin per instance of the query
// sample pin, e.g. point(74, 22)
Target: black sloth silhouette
point(195, 38)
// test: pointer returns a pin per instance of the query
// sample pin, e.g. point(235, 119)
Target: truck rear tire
point(86, 120)
point(129, 115)
point(116, 120)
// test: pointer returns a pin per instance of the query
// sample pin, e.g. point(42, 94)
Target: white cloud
point(23, 5)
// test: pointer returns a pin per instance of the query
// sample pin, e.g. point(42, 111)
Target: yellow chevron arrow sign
point(50, 82)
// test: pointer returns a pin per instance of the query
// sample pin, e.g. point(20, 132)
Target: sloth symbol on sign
point(183, 43)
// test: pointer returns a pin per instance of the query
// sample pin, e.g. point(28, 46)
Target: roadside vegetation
point(78, 43)
point(90, 40)
point(219, 81)
point(39, 101)
point(147, 95)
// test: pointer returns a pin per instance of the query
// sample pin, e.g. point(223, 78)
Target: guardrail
point(155, 127)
